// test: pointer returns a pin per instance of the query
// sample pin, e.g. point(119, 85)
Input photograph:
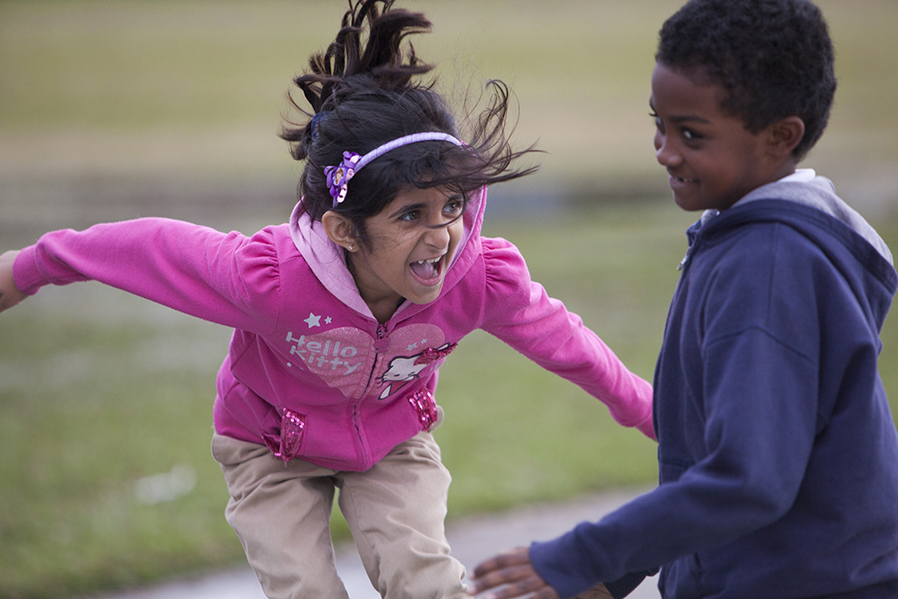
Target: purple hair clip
point(338, 176)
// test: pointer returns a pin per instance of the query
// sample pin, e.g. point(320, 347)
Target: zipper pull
point(382, 342)
point(693, 233)
point(691, 236)
point(685, 258)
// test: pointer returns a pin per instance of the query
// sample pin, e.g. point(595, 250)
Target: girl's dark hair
point(773, 58)
point(364, 92)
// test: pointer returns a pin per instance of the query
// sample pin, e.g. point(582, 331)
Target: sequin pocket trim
point(286, 447)
point(424, 404)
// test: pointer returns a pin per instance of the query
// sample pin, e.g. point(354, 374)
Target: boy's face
point(712, 160)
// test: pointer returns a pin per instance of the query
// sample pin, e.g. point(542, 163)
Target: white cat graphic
point(403, 369)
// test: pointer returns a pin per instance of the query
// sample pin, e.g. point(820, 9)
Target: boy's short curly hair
point(773, 58)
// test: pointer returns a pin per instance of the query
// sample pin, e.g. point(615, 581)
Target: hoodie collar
point(805, 187)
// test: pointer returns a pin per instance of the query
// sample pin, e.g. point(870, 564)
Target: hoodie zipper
point(693, 233)
point(381, 344)
point(689, 248)
point(685, 258)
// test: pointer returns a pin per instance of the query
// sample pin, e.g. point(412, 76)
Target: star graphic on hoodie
point(313, 321)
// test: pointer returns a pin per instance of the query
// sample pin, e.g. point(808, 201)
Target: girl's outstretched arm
point(9, 293)
point(518, 311)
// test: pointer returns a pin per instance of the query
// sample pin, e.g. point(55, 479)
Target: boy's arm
point(748, 480)
point(740, 376)
point(9, 293)
point(758, 448)
point(753, 390)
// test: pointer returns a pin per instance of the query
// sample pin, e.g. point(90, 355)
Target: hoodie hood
point(808, 204)
point(328, 260)
point(805, 187)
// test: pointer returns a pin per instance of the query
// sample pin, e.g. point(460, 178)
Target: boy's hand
point(9, 293)
point(515, 570)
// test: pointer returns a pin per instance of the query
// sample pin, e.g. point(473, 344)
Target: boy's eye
point(690, 135)
point(657, 119)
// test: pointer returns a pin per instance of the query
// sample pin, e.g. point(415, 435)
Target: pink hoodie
point(310, 372)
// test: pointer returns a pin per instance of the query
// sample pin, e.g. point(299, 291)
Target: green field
point(116, 109)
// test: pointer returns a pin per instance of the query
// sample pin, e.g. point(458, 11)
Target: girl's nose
point(437, 237)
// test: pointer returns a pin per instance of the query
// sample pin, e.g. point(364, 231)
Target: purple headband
point(338, 176)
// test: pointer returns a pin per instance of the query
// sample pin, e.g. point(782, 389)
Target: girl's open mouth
point(427, 270)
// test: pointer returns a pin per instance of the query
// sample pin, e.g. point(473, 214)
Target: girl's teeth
point(426, 268)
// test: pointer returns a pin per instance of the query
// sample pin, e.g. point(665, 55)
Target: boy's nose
point(664, 153)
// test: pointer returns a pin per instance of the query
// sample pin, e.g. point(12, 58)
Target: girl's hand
point(9, 293)
point(514, 570)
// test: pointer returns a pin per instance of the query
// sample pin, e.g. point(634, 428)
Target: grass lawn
point(100, 390)
point(106, 479)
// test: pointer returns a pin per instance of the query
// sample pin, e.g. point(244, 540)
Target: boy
point(778, 453)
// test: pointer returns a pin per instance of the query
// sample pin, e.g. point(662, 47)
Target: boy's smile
point(712, 160)
point(412, 242)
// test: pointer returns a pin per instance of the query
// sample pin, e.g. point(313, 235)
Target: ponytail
point(365, 91)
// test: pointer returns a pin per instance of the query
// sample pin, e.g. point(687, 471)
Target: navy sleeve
point(754, 391)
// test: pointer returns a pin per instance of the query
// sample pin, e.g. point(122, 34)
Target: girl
point(343, 316)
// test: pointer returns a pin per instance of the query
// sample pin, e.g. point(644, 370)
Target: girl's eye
point(454, 207)
point(410, 215)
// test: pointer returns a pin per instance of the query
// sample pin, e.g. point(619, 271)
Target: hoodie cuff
point(625, 585)
point(25, 272)
point(647, 428)
point(570, 575)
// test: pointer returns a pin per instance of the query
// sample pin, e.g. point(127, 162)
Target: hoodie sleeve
point(755, 392)
point(519, 312)
point(225, 278)
point(758, 452)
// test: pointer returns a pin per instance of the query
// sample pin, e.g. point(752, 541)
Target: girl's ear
point(785, 135)
point(339, 230)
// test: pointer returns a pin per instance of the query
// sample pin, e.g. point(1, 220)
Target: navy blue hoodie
point(778, 454)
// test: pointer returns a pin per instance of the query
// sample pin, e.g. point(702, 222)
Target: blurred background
point(125, 108)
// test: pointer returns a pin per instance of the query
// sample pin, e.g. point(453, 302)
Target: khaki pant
point(395, 511)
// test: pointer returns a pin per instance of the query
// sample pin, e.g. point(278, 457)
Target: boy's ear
point(785, 135)
point(339, 230)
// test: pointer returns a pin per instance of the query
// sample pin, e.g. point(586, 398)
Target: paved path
point(472, 540)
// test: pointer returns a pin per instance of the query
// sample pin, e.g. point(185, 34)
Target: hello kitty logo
point(344, 357)
point(404, 369)
point(325, 354)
